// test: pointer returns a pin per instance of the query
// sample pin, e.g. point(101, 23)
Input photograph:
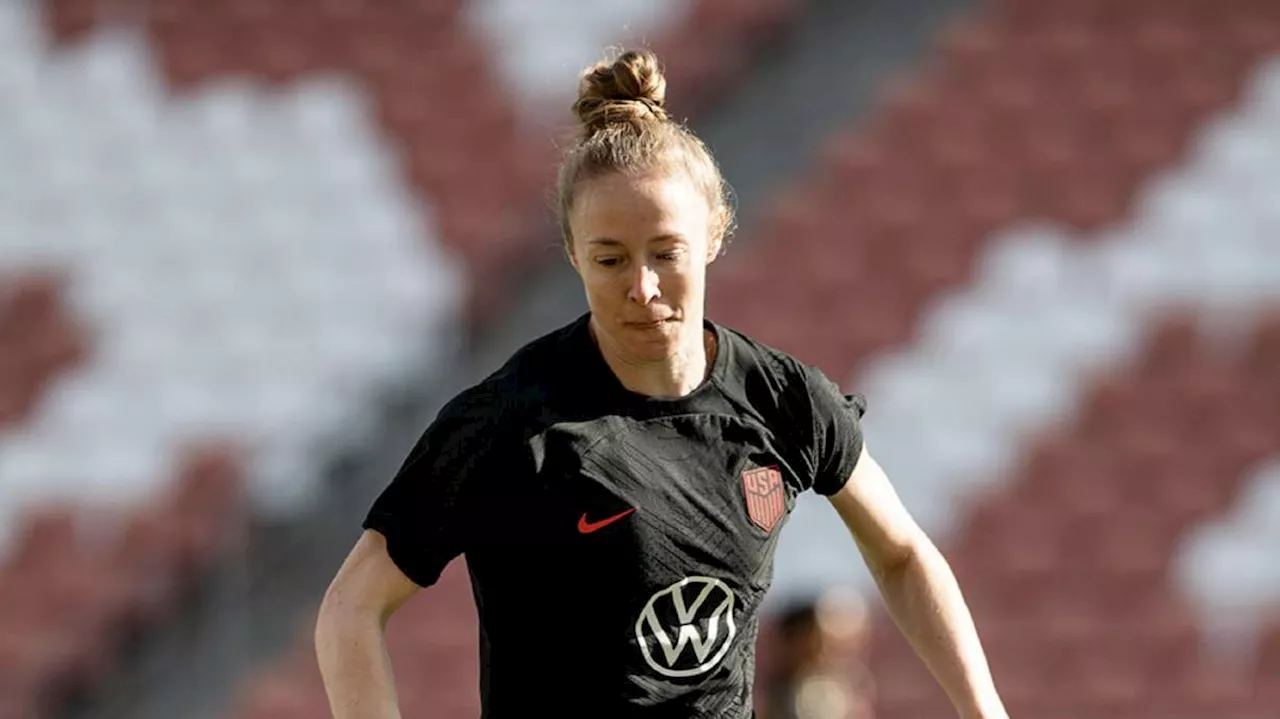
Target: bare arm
point(919, 589)
point(350, 641)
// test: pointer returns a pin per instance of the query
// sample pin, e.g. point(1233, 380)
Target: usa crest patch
point(766, 497)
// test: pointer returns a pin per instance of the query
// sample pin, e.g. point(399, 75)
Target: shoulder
point(767, 383)
point(766, 372)
point(759, 366)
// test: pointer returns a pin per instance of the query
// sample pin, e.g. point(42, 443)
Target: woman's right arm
point(350, 632)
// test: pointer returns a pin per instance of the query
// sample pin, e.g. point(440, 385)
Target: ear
point(715, 241)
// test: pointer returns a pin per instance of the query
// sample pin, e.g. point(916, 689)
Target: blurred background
point(248, 248)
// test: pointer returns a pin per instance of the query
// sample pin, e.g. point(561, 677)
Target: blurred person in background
point(819, 672)
point(619, 485)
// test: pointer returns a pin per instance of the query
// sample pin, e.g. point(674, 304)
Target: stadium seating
point(1029, 161)
point(247, 263)
point(1067, 571)
point(1033, 301)
point(207, 201)
point(200, 293)
point(77, 585)
point(994, 241)
point(1015, 121)
point(484, 170)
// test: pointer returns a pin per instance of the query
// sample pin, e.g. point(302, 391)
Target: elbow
point(337, 617)
point(342, 612)
point(340, 634)
point(891, 566)
point(915, 555)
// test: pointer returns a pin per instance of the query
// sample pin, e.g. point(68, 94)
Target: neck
point(670, 377)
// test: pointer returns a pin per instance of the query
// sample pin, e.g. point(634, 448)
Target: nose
point(644, 284)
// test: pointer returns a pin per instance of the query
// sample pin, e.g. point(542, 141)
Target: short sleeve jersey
point(618, 545)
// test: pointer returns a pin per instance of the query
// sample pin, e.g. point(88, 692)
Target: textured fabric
point(619, 545)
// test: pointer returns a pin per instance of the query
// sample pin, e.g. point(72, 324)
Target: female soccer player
point(619, 485)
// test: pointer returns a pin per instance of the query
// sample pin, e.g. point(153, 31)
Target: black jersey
point(618, 545)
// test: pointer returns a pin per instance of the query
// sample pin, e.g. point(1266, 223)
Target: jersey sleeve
point(422, 512)
point(836, 440)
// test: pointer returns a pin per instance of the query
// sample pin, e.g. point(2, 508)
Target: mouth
point(650, 324)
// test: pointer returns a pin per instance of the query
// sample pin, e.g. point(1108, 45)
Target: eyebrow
point(610, 242)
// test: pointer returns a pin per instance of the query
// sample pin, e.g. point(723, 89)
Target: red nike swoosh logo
point(586, 527)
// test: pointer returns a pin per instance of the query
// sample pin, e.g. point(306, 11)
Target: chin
point(652, 351)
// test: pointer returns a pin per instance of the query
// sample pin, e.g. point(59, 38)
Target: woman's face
point(641, 244)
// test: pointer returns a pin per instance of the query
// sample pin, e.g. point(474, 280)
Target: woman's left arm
point(919, 589)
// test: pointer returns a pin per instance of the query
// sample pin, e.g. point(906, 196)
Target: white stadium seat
point(249, 262)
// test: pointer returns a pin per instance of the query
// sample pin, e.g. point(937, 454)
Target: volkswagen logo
point(687, 628)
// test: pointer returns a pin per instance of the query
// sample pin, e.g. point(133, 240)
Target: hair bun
point(630, 89)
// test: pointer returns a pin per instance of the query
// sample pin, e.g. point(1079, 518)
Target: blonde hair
point(623, 126)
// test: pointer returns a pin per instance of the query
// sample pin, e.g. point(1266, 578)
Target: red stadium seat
point(38, 340)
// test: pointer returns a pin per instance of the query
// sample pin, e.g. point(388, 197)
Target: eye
point(670, 256)
point(607, 261)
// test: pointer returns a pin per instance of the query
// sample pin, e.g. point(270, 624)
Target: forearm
point(355, 666)
point(922, 595)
